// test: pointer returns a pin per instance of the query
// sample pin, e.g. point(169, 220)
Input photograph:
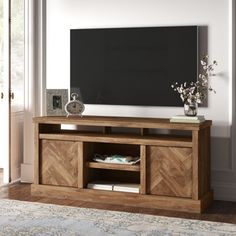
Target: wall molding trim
point(27, 173)
point(35, 81)
point(11, 183)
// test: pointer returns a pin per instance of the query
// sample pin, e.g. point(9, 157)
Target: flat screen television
point(133, 66)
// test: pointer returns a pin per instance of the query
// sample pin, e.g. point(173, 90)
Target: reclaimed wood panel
point(59, 163)
point(169, 171)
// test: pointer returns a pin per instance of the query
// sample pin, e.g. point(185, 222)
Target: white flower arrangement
point(197, 91)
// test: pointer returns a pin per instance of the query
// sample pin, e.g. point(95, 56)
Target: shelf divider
point(80, 165)
point(143, 170)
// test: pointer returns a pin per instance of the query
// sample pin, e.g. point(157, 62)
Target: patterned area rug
point(27, 218)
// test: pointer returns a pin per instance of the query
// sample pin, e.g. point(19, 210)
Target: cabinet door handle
point(12, 95)
point(2, 95)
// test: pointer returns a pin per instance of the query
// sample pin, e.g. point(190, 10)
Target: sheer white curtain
point(4, 87)
point(11, 86)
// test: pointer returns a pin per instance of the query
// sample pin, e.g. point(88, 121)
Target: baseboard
point(13, 182)
point(27, 175)
point(224, 191)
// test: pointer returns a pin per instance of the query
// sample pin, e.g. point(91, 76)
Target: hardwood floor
point(220, 211)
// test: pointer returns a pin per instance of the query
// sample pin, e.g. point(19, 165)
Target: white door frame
point(35, 81)
point(8, 162)
point(5, 121)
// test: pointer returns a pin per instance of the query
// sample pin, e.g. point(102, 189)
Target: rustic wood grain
point(174, 172)
point(161, 140)
point(59, 163)
point(81, 165)
point(170, 171)
point(112, 166)
point(143, 170)
point(122, 122)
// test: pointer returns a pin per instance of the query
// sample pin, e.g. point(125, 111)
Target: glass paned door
point(4, 89)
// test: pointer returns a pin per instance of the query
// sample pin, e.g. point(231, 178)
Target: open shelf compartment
point(112, 178)
point(112, 173)
point(109, 149)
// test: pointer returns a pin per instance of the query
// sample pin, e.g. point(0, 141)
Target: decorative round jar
point(190, 108)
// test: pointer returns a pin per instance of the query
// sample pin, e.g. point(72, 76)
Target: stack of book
point(187, 119)
point(131, 188)
point(102, 185)
point(120, 187)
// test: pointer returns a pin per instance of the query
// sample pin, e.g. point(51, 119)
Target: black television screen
point(133, 66)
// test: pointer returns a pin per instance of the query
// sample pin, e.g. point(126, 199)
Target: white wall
point(63, 15)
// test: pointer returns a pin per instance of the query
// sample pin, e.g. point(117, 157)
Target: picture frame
point(56, 100)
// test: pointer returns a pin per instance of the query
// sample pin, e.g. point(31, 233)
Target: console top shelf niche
point(173, 172)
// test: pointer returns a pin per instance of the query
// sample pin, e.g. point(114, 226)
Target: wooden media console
point(174, 168)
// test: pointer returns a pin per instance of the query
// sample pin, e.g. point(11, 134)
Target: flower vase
point(190, 108)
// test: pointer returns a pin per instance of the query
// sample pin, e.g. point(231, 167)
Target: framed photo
point(56, 101)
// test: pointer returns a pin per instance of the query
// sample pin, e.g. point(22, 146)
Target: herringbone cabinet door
point(169, 171)
point(59, 163)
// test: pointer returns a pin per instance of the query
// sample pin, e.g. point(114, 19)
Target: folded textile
point(118, 159)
